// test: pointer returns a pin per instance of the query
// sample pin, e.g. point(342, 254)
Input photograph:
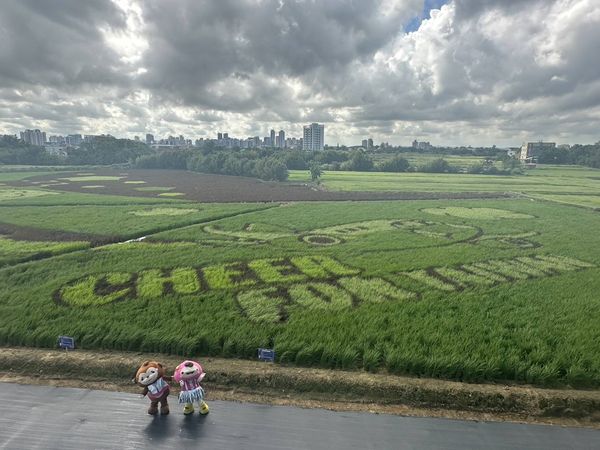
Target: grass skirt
point(195, 395)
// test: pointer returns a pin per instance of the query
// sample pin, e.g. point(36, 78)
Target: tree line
point(273, 164)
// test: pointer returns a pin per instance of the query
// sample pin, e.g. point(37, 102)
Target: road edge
point(230, 379)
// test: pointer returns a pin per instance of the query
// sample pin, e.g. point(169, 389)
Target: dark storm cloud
point(57, 43)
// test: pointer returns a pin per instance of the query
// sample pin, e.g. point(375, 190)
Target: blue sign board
point(66, 342)
point(266, 354)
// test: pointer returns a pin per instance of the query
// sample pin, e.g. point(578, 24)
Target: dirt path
point(252, 381)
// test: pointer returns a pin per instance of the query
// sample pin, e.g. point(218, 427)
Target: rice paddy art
point(164, 212)
point(476, 213)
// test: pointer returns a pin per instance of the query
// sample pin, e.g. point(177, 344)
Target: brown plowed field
point(222, 188)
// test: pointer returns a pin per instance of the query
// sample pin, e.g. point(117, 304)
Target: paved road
point(61, 418)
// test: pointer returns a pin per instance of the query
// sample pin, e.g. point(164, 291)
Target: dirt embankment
point(338, 390)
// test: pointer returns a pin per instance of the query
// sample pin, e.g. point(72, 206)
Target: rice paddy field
point(547, 180)
point(419, 159)
point(494, 289)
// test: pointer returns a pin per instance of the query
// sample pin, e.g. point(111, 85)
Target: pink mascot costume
point(189, 374)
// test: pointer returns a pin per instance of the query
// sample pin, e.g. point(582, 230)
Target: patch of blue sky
point(428, 5)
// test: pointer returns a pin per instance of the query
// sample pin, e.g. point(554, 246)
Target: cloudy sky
point(472, 72)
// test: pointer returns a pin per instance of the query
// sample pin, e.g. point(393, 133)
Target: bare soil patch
point(222, 188)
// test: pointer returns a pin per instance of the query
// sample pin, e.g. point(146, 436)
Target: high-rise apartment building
point(314, 137)
point(74, 140)
point(281, 141)
point(33, 137)
point(149, 139)
point(272, 138)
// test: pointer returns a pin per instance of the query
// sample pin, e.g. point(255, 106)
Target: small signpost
point(66, 342)
point(266, 354)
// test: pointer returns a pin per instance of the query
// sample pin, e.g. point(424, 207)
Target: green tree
point(315, 171)
point(396, 164)
point(438, 165)
point(359, 162)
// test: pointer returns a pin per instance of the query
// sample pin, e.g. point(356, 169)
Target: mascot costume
point(189, 374)
point(151, 376)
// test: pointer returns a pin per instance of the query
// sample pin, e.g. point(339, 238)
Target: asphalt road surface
point(63, 418)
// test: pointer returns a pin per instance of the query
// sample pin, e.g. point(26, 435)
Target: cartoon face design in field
point(188, 370)
point(148, 373)
point(337, 234)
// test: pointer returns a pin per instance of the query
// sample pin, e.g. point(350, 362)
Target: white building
point(314, 137)
point(33, 137)
point(74, 140)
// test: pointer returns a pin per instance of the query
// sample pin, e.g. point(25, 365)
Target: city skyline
point(223, 139)
point(459, 72)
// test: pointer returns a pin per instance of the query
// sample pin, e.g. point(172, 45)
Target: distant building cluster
point(313, 139)
point(273, 140)
point(367, 144)
point(421, 145)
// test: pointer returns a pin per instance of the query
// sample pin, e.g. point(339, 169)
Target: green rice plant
point(310, 267)
point(320, 296)
point(476, 213)
point(246, 234)
point(371, 359)
point(163, 212)
point(334, 267)
point(431, 234)
point(97, 291)
point(430, 280)
point(564, 262)
point(154, 283)
point(485, 273)
point(502, 268)
point(350, 358)
point(277, 270)
point(532, 267)
point(18, 194)
point(13, 251)
point(228, 276)
point(464, 278)
point(116, 278)
point(374, 290)
point(321, 239)
point(309, 355)
point(356, 228)
point(261, 305)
